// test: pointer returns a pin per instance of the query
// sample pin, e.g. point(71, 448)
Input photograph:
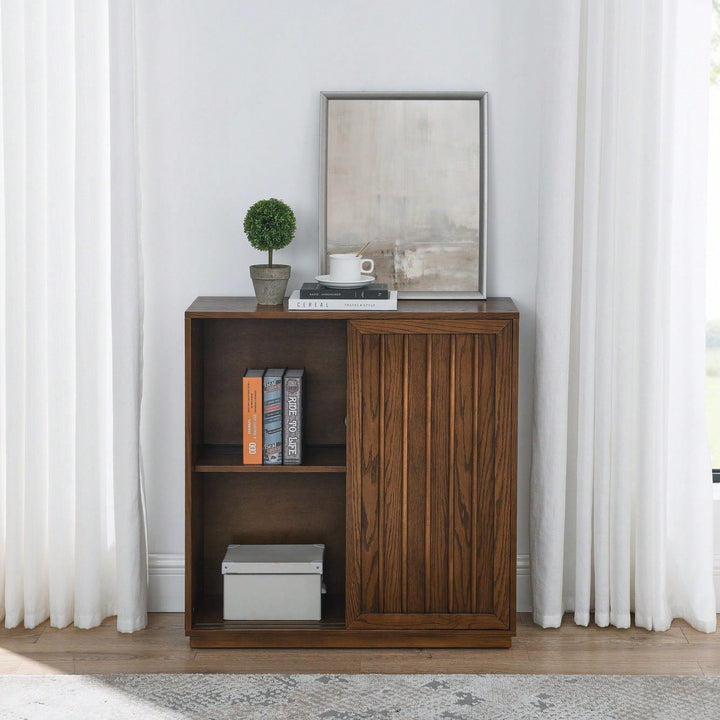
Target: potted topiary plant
point(269, 225)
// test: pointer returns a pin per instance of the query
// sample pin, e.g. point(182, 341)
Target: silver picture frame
point(407, 172)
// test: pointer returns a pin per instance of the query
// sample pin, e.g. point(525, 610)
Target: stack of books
point(272, 416)
point(315, 296)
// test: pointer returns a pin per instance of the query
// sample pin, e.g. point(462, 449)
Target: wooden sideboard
point(409, 473)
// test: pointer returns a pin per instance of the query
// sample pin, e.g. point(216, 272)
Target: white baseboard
point(523, 591)
point(166, 590)
point(166, 582)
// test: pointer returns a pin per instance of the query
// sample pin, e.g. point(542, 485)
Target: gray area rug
point(358, 697)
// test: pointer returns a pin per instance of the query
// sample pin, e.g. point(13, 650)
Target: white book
point(295, 302)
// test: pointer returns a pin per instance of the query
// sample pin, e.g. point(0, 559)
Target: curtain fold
point(73, 547)
point(621, 495)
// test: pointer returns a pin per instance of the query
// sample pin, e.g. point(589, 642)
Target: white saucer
point(327, 282)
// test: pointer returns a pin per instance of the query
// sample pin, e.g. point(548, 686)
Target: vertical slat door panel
point(418, 403)
point(505, 463)
point(485, 489)
point(391, 478)
point(429, 481)
point(463, 476)
point(370, 458)
point(363, 508)
point(439, 391)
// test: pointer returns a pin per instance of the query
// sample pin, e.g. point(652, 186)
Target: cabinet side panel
point(505, 473)
point(464, 476)
point(370, 506)
point(440, 430)
point(417, 470)
point(392, 491)
point(194, 389)
point(193, 438)
point(485, 495)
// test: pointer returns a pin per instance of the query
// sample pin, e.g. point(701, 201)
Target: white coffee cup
point(348, 267)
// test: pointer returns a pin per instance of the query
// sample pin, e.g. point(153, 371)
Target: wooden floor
point(163, 647)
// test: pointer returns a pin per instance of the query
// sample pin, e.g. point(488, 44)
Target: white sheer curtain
point(621, 499)
point(72, 532)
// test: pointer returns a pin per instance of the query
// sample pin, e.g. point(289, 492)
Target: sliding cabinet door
point(432, 447)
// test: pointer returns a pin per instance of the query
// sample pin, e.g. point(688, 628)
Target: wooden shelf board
point(228, 458)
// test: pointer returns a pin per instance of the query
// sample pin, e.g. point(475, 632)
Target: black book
point(375, 291)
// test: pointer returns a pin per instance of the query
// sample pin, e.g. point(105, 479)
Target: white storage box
point(272, 582)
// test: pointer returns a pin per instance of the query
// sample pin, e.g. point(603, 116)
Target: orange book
point(252, 399)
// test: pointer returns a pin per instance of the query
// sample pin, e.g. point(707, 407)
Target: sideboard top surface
point(247, 307)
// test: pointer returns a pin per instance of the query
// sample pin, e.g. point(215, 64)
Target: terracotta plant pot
point(270, 283)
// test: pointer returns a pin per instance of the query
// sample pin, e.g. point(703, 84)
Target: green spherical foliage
point(269, 225)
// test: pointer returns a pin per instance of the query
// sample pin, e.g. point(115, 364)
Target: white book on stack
point(295, 302)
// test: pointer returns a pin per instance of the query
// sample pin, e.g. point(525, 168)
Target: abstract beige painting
point(407, 175)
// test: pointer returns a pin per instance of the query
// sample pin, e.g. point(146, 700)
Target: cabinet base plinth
point(348, 639)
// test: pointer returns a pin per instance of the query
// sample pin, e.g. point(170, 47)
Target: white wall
point(229, 113)
point(716, 544)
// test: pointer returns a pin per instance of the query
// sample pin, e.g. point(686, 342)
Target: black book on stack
point(374, 291)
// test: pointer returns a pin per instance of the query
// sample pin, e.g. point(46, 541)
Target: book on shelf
point(293, 382)
point(272, 416)
point(376, 291)
point(252, 400)
point(295, 302)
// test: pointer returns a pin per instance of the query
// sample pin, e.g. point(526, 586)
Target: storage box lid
point(273, 560)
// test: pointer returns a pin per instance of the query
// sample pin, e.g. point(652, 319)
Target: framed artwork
point(407, 172)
